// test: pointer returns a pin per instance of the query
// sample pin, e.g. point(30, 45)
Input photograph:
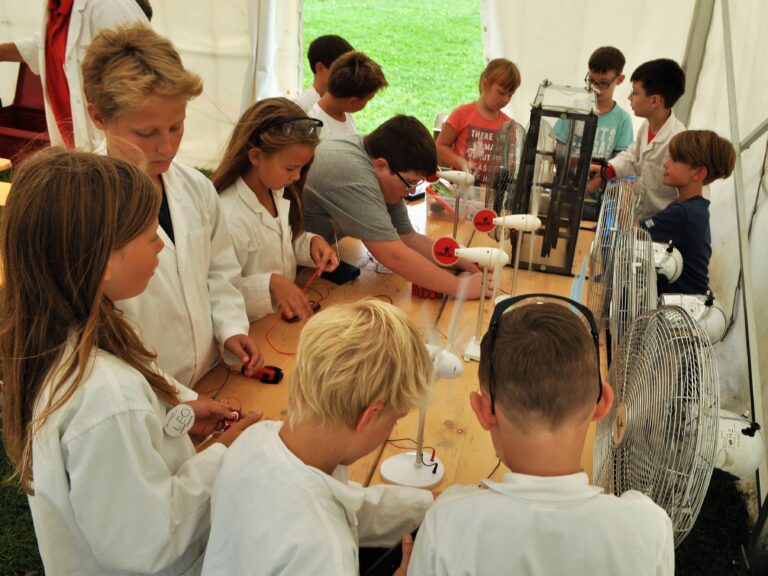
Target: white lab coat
point(88, 18)
point(307, 99)
point(263, 244)
point(272, 514)
point(644, 160)
point(190, 303)
point(113, 493)
point(332, 128)
point(533, 525)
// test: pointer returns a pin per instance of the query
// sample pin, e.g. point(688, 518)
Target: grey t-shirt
point(342, 193)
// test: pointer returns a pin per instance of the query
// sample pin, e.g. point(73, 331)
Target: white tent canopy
point(247, 49)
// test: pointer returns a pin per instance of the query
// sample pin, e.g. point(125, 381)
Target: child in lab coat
point(260, 182)
point(137, 91)
point(540, 389)
point(110, 490)
point(282, 503)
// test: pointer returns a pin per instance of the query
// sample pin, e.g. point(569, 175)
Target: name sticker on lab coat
point(179, 420)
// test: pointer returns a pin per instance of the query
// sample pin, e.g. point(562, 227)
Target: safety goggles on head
point(506, 304)
point(292, 125)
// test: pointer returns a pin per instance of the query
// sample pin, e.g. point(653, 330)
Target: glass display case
point(554, 174)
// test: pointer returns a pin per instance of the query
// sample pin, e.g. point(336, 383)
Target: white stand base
point(404, 470)
point(472, 351)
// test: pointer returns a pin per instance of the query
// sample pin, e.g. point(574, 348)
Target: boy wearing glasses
point(539, 391)
point(656, 86)
point(354, 80)
point(356, 187)
point(614, 125)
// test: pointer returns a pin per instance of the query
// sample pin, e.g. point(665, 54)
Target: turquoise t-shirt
point(614, 132)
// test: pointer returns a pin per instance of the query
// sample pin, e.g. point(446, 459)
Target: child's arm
point(414, 267)
point(388, 512)
point(625, 163)
point(313, 250)
point(445, 154)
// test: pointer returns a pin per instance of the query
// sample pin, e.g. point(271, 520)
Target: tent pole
point(701, 21)
point(753, 364)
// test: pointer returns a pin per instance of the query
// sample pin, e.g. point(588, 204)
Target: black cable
point(494, 468)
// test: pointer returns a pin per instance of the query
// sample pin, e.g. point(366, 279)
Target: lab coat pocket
point(199, 254)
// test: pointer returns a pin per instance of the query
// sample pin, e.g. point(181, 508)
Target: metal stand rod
point(482, 304)
point(420, 436)
point(518, 248)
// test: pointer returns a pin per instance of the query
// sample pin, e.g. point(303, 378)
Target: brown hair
point(544, 366)
point(502, 72)
point(662, 77)
point(123, 67)
point(326, 49)
point(405, 144)
point(235, 162)
point(607, 58)
point(704, 148)
point(66, 215)
point(353, 74)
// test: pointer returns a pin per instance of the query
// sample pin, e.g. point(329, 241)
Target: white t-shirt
point(331, 126)
point(532, 525)
point(272, 514)
point(307, 99)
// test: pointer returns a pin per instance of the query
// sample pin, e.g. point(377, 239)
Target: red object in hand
point(315, 308)
point(421, 292)
point(269, 374)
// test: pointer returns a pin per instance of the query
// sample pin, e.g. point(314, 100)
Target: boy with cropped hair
point(322, 53)
point(354, 79)
point(614, 125)
point(696, 158)
point(292, 510)
point(539, 391)
point(656, 86)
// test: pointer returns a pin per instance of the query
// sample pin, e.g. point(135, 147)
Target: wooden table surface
point(451, 427)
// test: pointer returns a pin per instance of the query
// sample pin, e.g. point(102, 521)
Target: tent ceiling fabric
point(559, 50)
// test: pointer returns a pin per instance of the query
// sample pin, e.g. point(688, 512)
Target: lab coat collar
point(335, 486)
point(665, 132)
point(283, 206)
point(561, 489)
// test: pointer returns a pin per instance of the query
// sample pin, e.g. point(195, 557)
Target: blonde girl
point(84, 405)
point(260, 182)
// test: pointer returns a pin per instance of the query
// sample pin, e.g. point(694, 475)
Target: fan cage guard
point(660, 436)
point(504, 168)
point(634, 282)
point(616, 215)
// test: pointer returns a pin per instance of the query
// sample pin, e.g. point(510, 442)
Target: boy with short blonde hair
point(282, 501)
point(354, 79)
point(539, 391)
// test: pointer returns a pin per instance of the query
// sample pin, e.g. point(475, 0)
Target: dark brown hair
point(605, 59)
point(405, 144)
point(354, 75)
point(704, 148)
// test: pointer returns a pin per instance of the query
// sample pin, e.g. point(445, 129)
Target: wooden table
point(451, 427)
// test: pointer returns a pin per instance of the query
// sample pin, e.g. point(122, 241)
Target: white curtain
point(243, 49)
point(553, 39)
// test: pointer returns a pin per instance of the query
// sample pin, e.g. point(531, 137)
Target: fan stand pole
point(518, 247)
point(472, 351)
point(416, 469)
point(457, 206)
point(497, 273)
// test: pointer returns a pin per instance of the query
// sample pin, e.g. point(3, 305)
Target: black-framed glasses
point(601, 84)
point(505, 305)
point(408, 185)
point(292, 125)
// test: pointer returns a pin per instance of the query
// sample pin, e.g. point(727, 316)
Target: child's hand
point(466, 266)
point(246, 351)
point(594, 184)
point(323, 254)
point(208, 414)
point(289, 298)
point(407, 545)
point(229, 436)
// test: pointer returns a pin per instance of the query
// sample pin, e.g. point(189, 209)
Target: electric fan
point(616, 215)
point(504, 167)
point(661, 435)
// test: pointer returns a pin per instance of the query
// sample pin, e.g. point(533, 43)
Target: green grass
point(430, 50)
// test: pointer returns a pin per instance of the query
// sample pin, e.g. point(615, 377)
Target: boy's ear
point(700, 173)
point(619, 79)
point(368, 416)
point(481, 406)
point(606, 401)
point(96, 116)
point(380, 165)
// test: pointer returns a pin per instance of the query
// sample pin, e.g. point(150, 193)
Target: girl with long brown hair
point(110, 489)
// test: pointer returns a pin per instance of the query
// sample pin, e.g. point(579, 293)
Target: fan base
point(472, 351)
point(403, 470)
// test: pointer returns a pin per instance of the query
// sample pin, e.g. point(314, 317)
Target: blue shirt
point(613, 134)
point(686, 224)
